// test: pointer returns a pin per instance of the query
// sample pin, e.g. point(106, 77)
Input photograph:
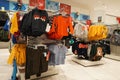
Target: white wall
point(105, 18)
point(97, 13)
point(76, 7)
point(111, 7)
point(109, 20)
point(80, 10)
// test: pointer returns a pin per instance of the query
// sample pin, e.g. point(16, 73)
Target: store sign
point(5, 4)
point(64, 8)
point(13, 6)
point(118, 19)
point(83, 17)
point(41, 4)
point(32, 2)
point(74, 15)
point(37, 3)
point(51, 5)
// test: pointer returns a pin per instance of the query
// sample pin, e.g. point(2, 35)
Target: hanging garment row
point(34, 23)
point(81, 31)
point(97, 32)
point(61, 26)
point(4, 22)
point(93, 51)
point(36, 27)
point(57, 54)
point(115, 37)
point(80, 48)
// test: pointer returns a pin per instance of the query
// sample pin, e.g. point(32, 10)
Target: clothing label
point(48, 28)
point(45, 54)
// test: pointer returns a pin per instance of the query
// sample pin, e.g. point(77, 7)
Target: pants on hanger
point(35, 61)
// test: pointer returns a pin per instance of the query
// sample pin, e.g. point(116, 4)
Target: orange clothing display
point(61, 27)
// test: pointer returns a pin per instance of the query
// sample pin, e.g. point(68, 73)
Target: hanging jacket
point(81, 31)
point(3, 17)
point(97, 32)
point(34, 23)
point(61, 27)
point(14, 24)
point(18, 53)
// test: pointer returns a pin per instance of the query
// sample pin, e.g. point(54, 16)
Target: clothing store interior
point(60, 39)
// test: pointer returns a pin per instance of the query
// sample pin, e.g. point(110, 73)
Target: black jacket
point(34, 23)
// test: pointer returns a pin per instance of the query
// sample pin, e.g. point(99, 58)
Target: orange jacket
point(60, 27)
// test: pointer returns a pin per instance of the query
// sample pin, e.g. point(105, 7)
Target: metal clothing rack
point(52, 70)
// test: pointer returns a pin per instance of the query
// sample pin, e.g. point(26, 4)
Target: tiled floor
point(71, 70)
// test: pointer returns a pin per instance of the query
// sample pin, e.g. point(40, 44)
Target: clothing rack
point(52, 70)
point(35, 46)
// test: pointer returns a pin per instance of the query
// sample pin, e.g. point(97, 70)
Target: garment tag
point(45, 54)
point(48, 28)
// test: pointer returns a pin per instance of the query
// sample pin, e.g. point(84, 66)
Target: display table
point(87, 63)
point(51, 72)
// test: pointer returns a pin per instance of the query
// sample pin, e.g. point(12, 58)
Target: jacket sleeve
point(14, 24)
point(53, 27)
point(70, 26)
point(26, 23)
